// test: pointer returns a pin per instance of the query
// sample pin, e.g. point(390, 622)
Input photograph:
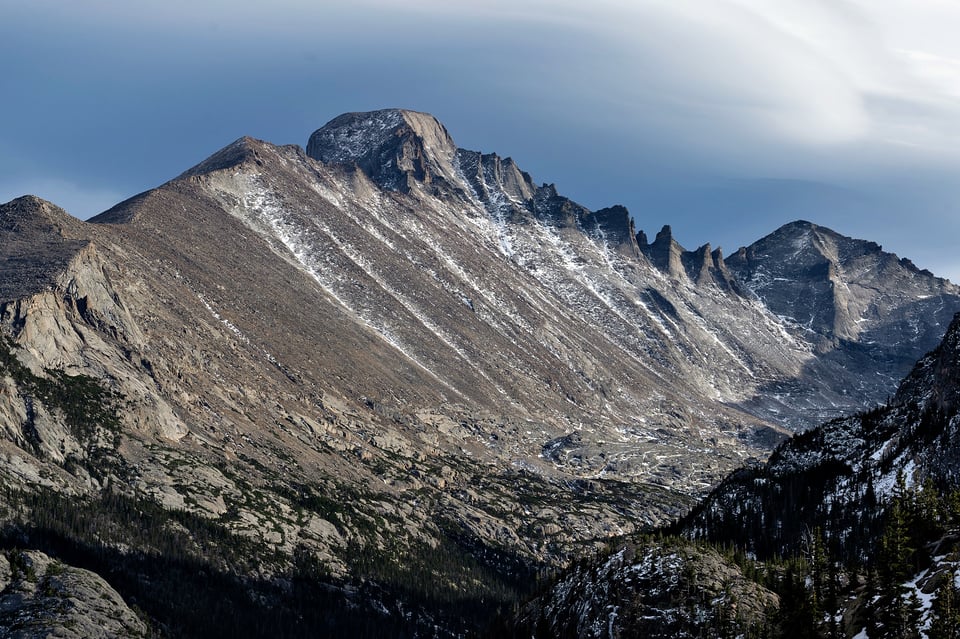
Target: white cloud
point(862, 81)
point(754, 86)
point(942, 73)
point(800, 72)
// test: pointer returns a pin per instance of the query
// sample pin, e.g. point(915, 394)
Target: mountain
point(850, 529)
point(861, 307)
point(855, 306)
point(401, 377)
point(833, 477)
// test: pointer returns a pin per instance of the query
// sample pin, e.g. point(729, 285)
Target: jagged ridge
point(391, 345)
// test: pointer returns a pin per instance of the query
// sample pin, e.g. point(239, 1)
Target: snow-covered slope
point(521, 307)
point(386, 344)
point(651, 587)
point(837, 476)
point(485, 291)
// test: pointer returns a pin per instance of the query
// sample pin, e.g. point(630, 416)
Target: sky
point(722, 118)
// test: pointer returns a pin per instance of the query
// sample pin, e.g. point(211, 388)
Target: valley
point(405, 380)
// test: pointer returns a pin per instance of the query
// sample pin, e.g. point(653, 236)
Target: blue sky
point(723, 118)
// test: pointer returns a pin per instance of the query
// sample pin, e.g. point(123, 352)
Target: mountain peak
point(820, 239)
point(37, 240)
point(805, 272)
point(237, 152)
point(397, 148)
point(30, 213)
point(801, 225)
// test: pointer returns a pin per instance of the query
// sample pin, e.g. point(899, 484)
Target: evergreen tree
point(913, 616)
point(831, 601)
point(951, 508)
point(872, 604)
point(817, 560)
point(797, 618)
point(945, 611)
point(895, 563)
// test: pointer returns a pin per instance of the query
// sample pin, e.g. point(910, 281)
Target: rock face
point(42, 597)
point(862, 308)
point(398, 149)
point(701, 266)
point(387, 348)
point(650, 588)
point(830, 476)
point(845, 290)
point(665, 253)
point(35, 250)
point(493, 178)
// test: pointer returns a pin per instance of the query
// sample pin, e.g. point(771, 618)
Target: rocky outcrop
point(399, 149)
point(82, 324)
point(36, 247)
point(701, 266)
point(935, 379)
point(665, 252)
point(698, 264)
point(43, 597)
point(721, 274)
point(614, 227)
point(651, 588)
point(493, 178)
point(704, 266)
point(556, 210)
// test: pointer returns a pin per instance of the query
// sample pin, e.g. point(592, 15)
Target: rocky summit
point(402, 378)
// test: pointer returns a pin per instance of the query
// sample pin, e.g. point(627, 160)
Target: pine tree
point(872, 603)
point(797, 619)
point(831, 601)
point(816, 557)
point(952, 509)
point(912, 617)
point(895, 562)
point(945, 611)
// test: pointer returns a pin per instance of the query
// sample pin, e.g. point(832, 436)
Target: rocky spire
point(698, 264)
point(615, 225)
point(704, 266)
point(665, 253)
point(721, 274)
point(642, 241)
